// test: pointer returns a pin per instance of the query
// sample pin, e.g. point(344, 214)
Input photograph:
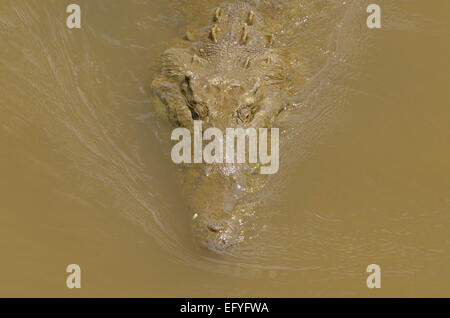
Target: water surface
point(86, 175)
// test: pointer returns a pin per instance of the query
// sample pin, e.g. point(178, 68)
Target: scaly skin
point(233, 76)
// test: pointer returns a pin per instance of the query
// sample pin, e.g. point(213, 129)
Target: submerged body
point(232, 75)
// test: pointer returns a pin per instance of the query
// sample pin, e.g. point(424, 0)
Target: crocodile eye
point(199, 111)
point(245, 114)
point(197, 108)
point(248, 107)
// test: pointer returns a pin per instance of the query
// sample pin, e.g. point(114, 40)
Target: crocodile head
point(231, 77)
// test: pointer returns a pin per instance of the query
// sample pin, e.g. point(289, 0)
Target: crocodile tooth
point(217, 14)
point(251, 18)
point(213, 34)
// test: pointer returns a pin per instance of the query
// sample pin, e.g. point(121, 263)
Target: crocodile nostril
point(215, 227)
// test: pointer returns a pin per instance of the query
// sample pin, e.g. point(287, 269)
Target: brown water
point(86, 175)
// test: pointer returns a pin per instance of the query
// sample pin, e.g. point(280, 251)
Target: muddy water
point(86, 176)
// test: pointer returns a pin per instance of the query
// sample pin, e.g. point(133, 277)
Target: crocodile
point(232, 74)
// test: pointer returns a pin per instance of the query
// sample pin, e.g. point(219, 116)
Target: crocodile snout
point(216, 235)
